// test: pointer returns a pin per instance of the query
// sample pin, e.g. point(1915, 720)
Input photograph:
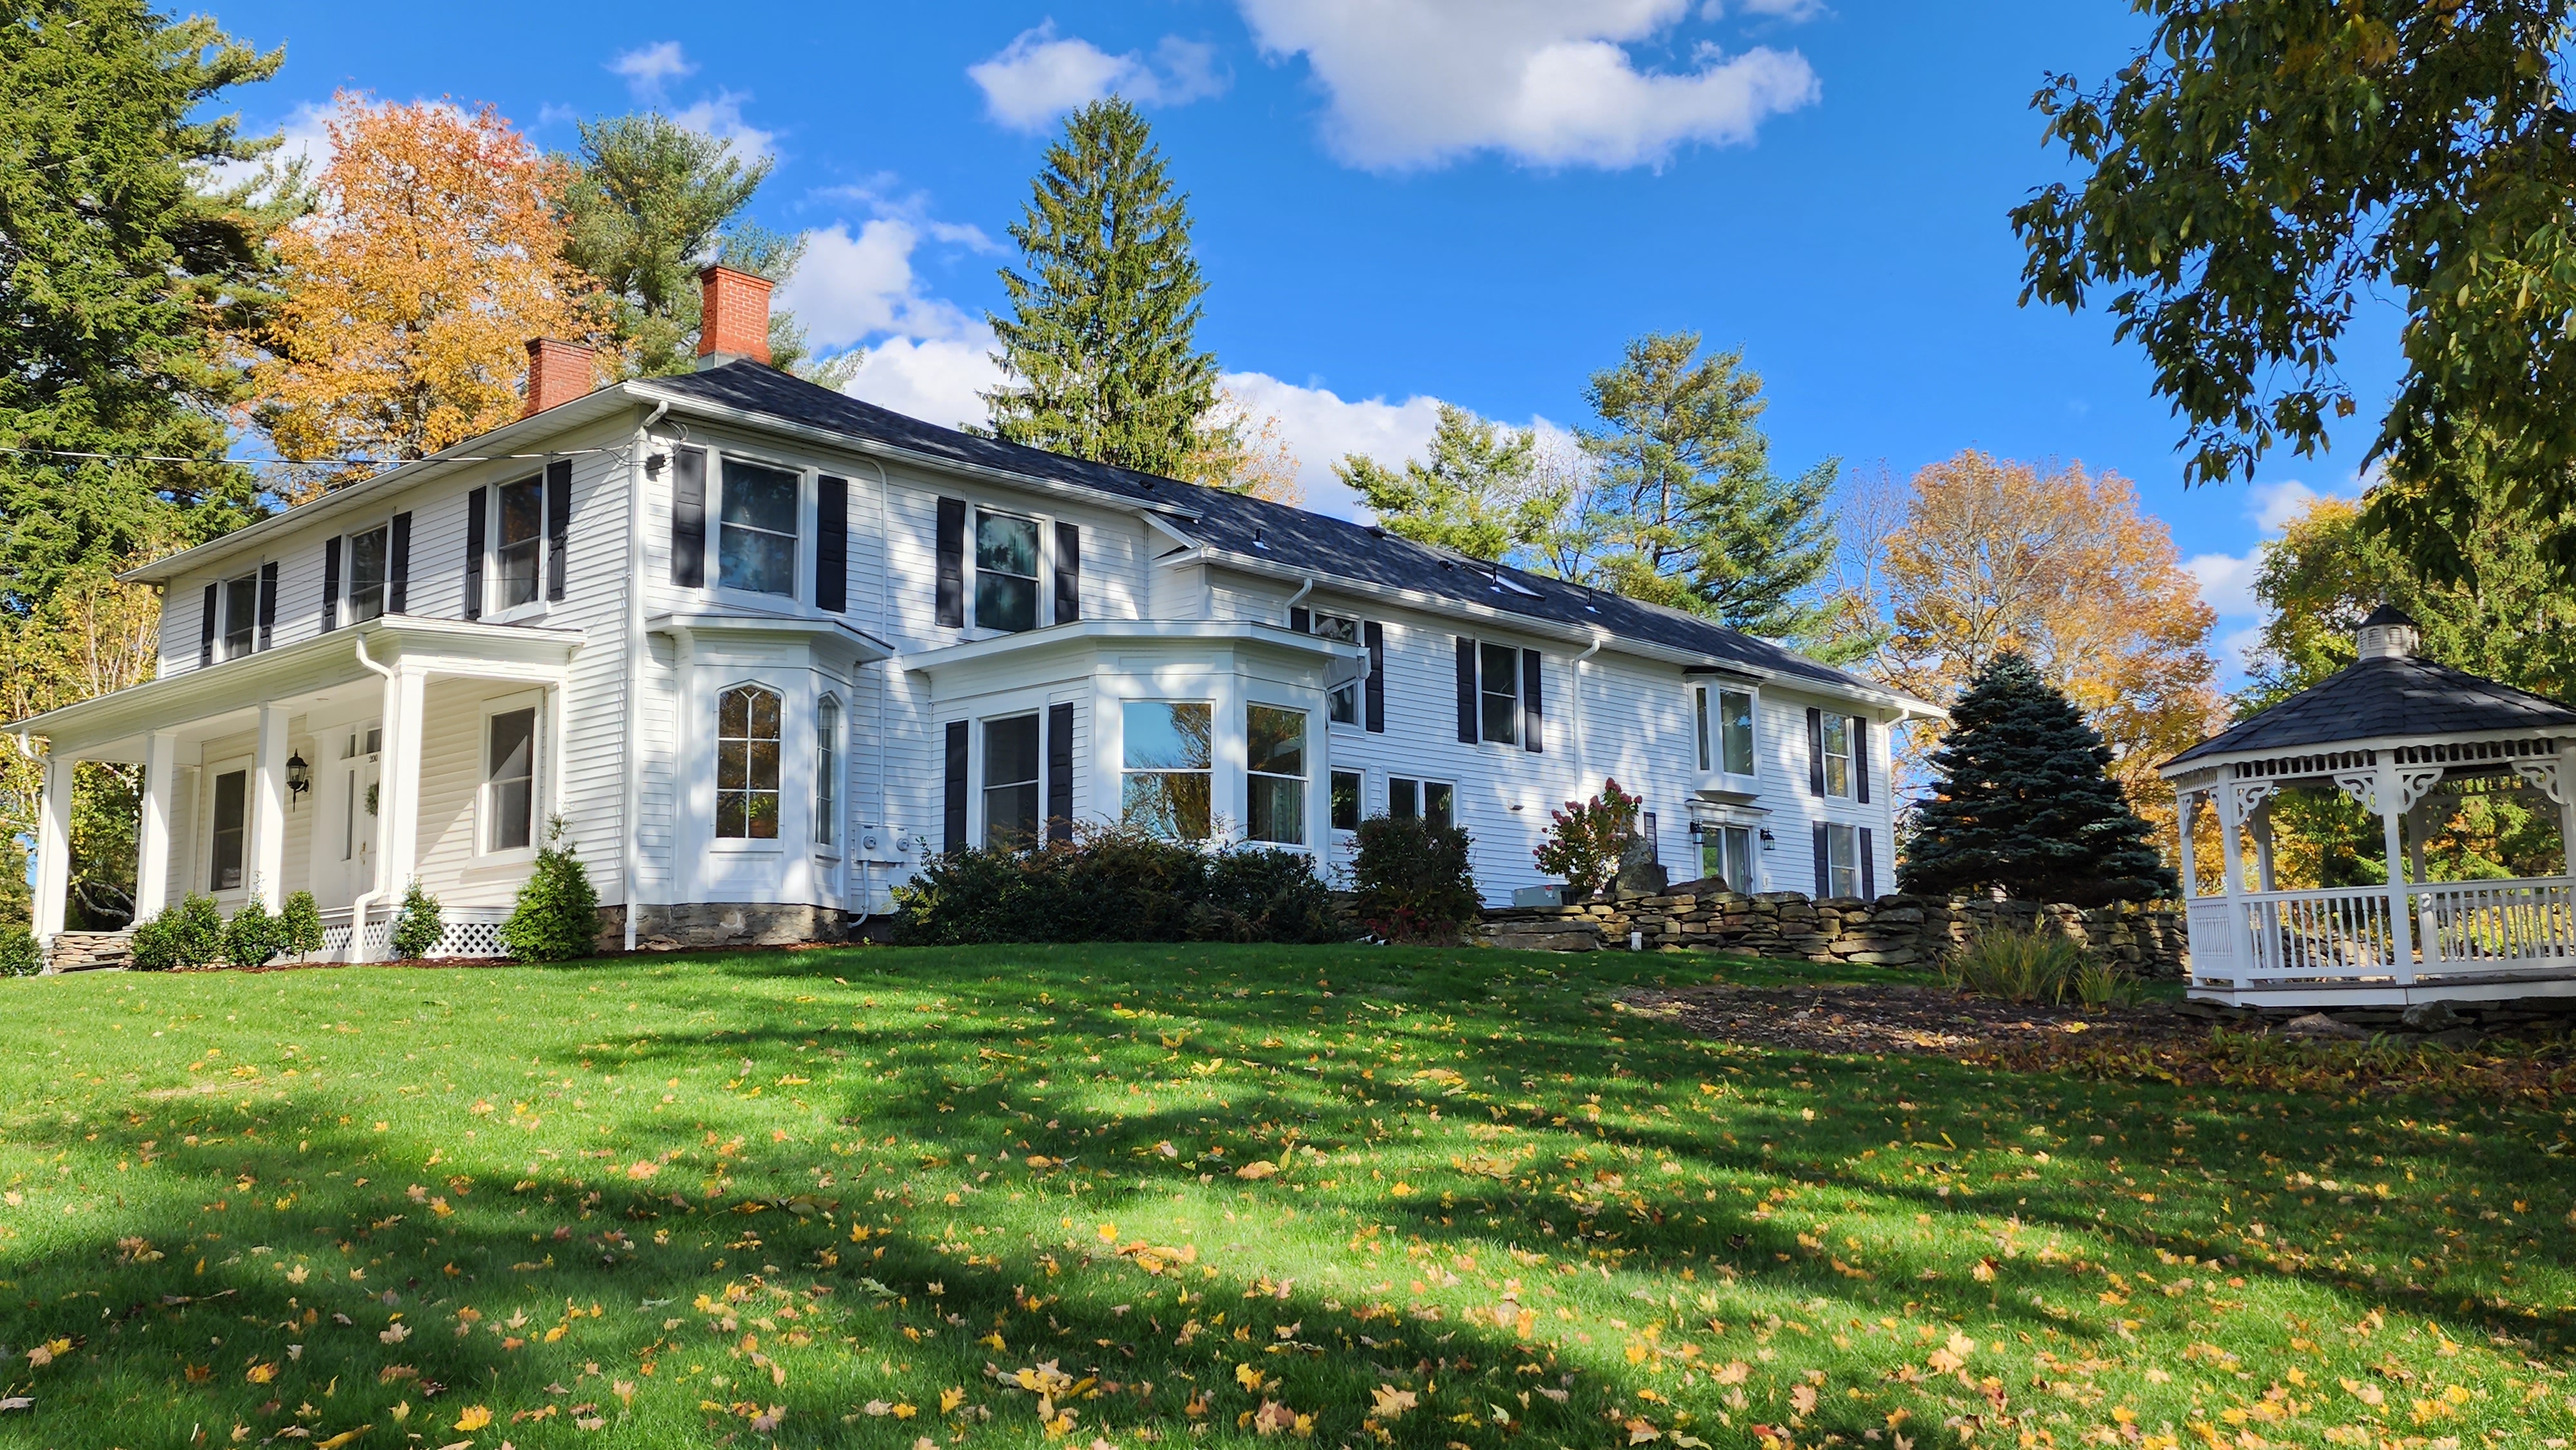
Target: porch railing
point(2345, 933)
point(2327, 933)
point(2485, 926)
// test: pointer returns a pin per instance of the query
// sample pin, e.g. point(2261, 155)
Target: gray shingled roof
point(1295, 537)
point(2379, 699)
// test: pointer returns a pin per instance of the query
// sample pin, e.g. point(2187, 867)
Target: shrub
point(250, 938)
point(417, 927)
point(1412, 879)
point(2036, 964)
point(1116, 884)
point(188, 934)
point(299, 926)
point(1587, 841)
point(18, 954)
point(556, 917)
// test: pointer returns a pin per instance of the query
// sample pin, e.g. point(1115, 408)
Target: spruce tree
point(2026, 803)
point(1100, 351)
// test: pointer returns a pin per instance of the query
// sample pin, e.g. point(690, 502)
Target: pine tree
point(2026, 802)
point(1475, 494)
point(1100, 349)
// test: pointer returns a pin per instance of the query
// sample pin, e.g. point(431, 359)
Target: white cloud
point(306, 137)
point(934, 379)
point(1551, 82)
point(882, 195)
point(650, 68)
point(720, 116)
point(2227, 580)
point(853, 287)
point(2277, 504)
point(1038, 76)
point(1319, 426)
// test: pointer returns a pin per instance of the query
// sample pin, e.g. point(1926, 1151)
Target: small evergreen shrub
point(556, 917)
point(1116, 884)
point(1412, 879)
point(299, 926)
point(187, 934)
point(1588, 841)
point(250, 938)
point(18, 954)
point(2035, 964)
point(417, 927)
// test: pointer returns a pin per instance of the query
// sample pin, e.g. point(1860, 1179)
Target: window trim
point(1485, 693)
point(1422, 788)
point(755, 845)
point(246, 585)
point(1126, 771)
point(1708, 728)
point(801, 589)
point(1849, 833)
point(342, 615)
point(494, 611)
point(1039, 594)
point(213, 774)
point(539, 768)
point(1825, 746)
point(831, 769)
point(1305, 781)
point(982, 770)
point(1332, 803)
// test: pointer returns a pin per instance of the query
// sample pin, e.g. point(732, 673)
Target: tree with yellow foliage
point(1976, 557)
point(431, 258)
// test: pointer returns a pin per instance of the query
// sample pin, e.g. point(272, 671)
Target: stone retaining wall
point(1890, 931)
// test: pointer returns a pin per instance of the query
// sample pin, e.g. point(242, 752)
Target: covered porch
point(2410, 741)
point(348, 765)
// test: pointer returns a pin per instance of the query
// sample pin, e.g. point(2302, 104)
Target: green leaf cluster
point(1100, 349)
point(2263, 168)
point(2025, 801)
point(1474, 494)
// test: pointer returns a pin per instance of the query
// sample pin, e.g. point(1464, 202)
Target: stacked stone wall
point(1892, 931)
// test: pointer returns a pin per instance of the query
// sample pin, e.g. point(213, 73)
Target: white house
point(762, 646)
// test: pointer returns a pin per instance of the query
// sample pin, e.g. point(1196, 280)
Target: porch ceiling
point(205, 701)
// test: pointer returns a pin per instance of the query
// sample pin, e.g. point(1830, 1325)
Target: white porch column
point(152, 834)
point(399, 790)
point(53, 848)
point(2186, 805)
point(2391, 793)
point(268, 809)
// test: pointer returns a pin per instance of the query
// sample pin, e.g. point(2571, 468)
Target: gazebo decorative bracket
point(2543, 775)
point(2251, 794)
point(2365, 786)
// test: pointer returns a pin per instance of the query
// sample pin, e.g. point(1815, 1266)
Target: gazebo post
point(2263, 844)
point(2187, 805)
point(2231, 818)
point(2389, 794)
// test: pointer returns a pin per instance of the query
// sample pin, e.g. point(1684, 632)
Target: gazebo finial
point(2388, 634)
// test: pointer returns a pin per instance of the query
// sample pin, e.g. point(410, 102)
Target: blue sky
point(1398, 201)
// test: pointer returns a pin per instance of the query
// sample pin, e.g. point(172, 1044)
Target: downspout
point(1575, 689)
point(1302, 591)
point(631, 801)
point(885, 687)
point(384, 820)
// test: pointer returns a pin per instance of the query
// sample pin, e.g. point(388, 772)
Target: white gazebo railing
point(2484, 925)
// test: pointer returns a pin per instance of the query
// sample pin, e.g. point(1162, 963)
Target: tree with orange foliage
point(1977, 556)
point(432, 257)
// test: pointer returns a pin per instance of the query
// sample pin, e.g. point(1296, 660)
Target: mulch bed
point(1893, 1018)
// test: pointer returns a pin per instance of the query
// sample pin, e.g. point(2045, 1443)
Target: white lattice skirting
point(471, 931)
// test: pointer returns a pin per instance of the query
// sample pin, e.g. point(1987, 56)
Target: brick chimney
point(733, 317)
point(558, 372)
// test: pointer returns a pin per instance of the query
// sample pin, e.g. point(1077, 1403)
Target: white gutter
point(885, 686)
point(631, 799)
point(384, 817)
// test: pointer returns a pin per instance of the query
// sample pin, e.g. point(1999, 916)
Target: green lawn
point(1437, 1199)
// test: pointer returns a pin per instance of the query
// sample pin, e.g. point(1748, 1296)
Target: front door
point(345, 853)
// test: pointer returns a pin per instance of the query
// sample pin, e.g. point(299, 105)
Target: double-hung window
point(756, 549)
point(518, 555)
point(1167, 758)
point(1725, 729)
point(1433, 800)
point(747, 720)
point(510, 780)
point(827, 770)
point(225, 851)
point(1838, 755)
point(1275, 775)
point(1006, 572)
point(241, 616)
point(1011, 781)
point(370, 557)
point(1344, 703)
point(1347, 806)
point(1499, 691)
point(1842, 860)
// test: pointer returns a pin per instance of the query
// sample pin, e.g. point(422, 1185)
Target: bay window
point(747, 720)
point(1275, 775)
point(827, 770)
point(1167, 759)
point(1343, 705)
point(1011, 782)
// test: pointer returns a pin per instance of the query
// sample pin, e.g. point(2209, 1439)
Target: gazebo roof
point(2393, 696)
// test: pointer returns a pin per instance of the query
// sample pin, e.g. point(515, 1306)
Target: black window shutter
point(558, 524)
point(267, 604)
point(330, 585)
point(832, 544)
point(1059, 765)
point(1375, 634)
point(475, 515)
point(1300, 621)
point(1868, 866)
point(689, 518)
point(1466, 689)
point(1533, 717)
point(1068, 573)
point(952, 563)
point(953, 823)
point(1815, 751)
point(1860, 759)
point(206, 627)
point(398, 567)
point(1824, 866)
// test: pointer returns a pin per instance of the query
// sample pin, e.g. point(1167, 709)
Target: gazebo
point(2407, 739)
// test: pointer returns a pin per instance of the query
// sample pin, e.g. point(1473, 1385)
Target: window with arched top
point(747, 764)
point(827, 770)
